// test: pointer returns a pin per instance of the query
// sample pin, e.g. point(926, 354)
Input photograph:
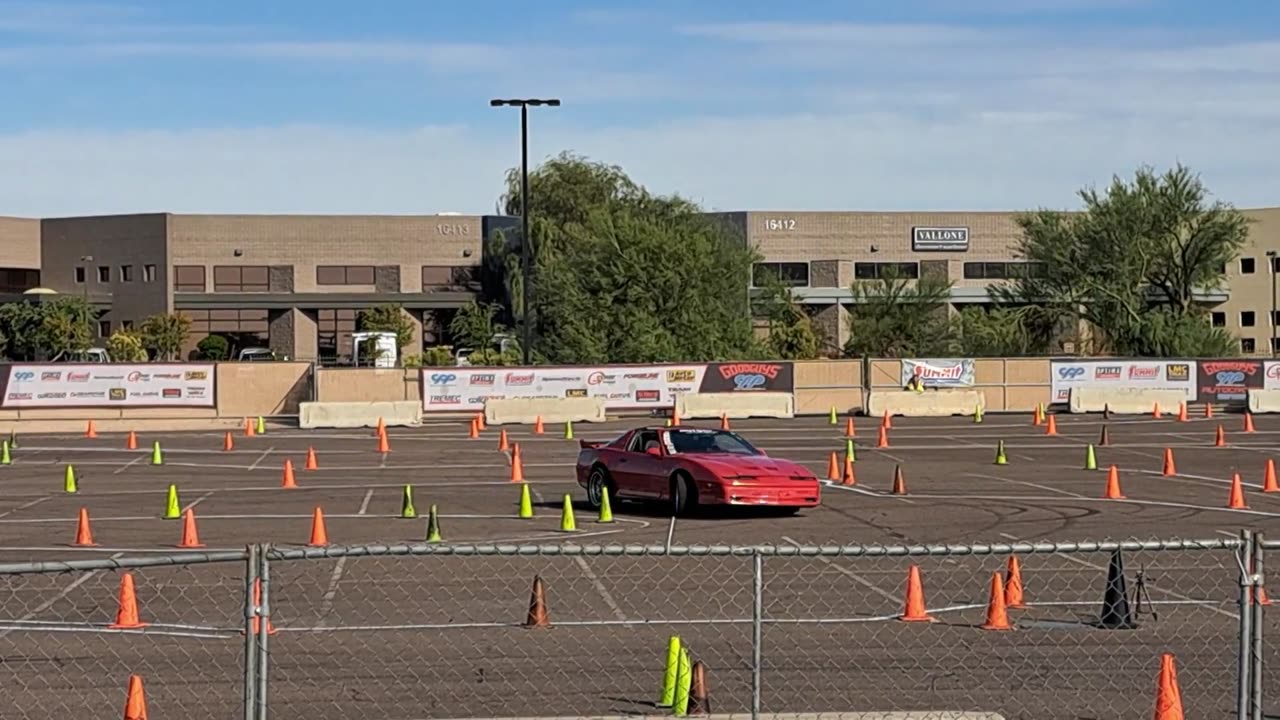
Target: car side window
point(643, 441)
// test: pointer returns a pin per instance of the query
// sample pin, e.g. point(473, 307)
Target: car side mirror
point(654, 452)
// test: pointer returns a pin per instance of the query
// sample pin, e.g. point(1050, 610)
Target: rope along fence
point(449, 631)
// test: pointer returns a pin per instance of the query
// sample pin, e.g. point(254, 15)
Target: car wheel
point(684, 496)
point(598, 483)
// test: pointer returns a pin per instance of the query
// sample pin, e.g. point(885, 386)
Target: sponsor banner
point(1121, 373)
point(748, 377)
point(1272, 379)
point(939, 373)
point(623, 387)
point(66, 385)
point(1229, 380)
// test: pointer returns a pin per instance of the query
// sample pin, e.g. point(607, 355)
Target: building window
point(243, 328)
point(1247, 346)
point(104, 273)
point(17, 280)
point(1218, 319)
point(1275, 318)
point(126, 273)
point(1246, 318)
point(241, 278)
point(333, 334)
point(344, 275)
point(126, 324)
point(148, 273)
point(438, 277)
point(1246, 266)
point(877, 270)
point(792, 274)
point(104, 328)
point(1002, 270)
point(1275, 264)
point(1275, 345)
point(79, 276)
point(188, 278)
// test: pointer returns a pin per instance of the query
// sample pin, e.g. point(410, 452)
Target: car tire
point(599, 482)
point(684, 495)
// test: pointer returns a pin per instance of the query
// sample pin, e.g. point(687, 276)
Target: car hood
point(760, 465)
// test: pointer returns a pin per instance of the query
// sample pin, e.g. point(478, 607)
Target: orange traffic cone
point(1169, 468)
point(1113, 485)
point(1236, 500)
point(248, 428)
point(849, 478)
point(997, 615)
point(84, 536)
point(131, 442)
point(849, 430)
point(1155, 411)
point(288, 482)
point(380, 428)
point(1248, 422)
point(135, 703)
point(724, 421)
point(1182, 411)
point(886, 422)
point(190, 538)
point(1168, 694)
point(257, 600)
point(899, 482)
point(517, 465)
point(675, 417)
point(538, 615)
point(1013, 585)
point(473, 433)
point(319, 536)
point(227, 443)
point(1037, 417)
point(480, 421)
point(1269, 484)
point(90, 431)
point(384, 443)
point(1208, 410)
point(127, 613)
point(312, 462)
point(503, 444)
point(537, 426)
point(833, 467)
point(914, 609)
point(1051, 427)
point(699, 693)
point(1104, 439)
point(1220, 438)
point(883, 440)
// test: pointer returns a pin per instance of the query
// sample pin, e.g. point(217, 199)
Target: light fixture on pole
point(526, 260)
point(1271, 265)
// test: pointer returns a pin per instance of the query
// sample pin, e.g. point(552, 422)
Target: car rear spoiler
point(590, 444)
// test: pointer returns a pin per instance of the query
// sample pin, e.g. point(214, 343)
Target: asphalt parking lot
point(420, 637)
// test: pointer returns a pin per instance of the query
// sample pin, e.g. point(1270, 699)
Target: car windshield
point(707, 441)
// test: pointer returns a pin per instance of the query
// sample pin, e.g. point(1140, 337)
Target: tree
point(621, 275)
point(792, 333)
point(1130, 265)
point(126, 346)
point(1003, 331)
point(166, 334)
point(214, 347)
point(21, 330)
point(475, 325)
point(389, 318)
point(893, 317)
point(66, 326)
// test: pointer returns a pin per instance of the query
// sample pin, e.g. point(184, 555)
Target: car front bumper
point(781, 493)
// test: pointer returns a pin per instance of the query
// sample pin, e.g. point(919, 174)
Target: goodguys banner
point(1119, 373)
point(623, 387)
point(939, 373)
point(1229, 380)
point(67, 385)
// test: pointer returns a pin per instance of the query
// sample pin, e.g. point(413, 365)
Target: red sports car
point(692, 466)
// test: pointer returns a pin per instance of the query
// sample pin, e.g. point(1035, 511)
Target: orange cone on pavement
point(1220, 438)
point(135, 703)
point(131, 442)
point(899, 482)
point(883, 440)
point(288, 481)
point(319, 535)
point(384, 443)
point(1013, 599)
point(380, 428)
point(1104, 439)
point(127, 613)
point(1051, 427)
point(849, 430)
point(1269, 484)
point(190, 538)
point(84, 536)
point(849, 478)
point(1037, 417)
point(1248, 422)
point(833, 467)
point(472, 433)
point(1208, 410)
point(537, 426)
point(1155, 411)
point(887, 421)
point(1236, 500)
point(675, 417)
point(227, 443)
point(1168, 694)
point(1170, 469)
point(480, 421)
point(724, 421)
point(517, 465)
point(997, 613)
point(538, 615)
point(90, 431)
point(1182, 411)
point(1113, 485)
point(503, 444)
point(312, 462)
point(914, 608)
point(248, 428)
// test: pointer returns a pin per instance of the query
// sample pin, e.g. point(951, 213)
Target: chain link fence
point(1075, 630)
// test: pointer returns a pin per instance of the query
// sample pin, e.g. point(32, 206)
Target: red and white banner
point(623, 387)
point(68, 385)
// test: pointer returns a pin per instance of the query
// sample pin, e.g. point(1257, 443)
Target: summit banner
point(1180, 375)
point(939, 373)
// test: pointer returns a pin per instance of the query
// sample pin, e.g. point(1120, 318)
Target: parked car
point(689, 467)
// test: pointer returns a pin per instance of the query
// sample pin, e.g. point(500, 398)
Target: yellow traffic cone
point(173, 509)
point(526, 503)
point(568, 430)
point(606, 512)
point(669, 675)
point(69, 481)
point(262, 426)
point(433, 526)
point(567, 523)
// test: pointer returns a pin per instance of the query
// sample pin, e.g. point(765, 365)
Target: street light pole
point(1271, 265)
point(526, 260)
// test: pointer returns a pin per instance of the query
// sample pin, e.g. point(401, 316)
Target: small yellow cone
point(69, 481)
point(157, 458)
point(567, 523)
point(526, 503)
point(606, 512)
point(684, 679)
point(262, 426)
point(568, 430)
point(172, 510)
point(433, 526)
point(669, 676)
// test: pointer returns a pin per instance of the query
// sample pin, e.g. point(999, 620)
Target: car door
point(634, 468)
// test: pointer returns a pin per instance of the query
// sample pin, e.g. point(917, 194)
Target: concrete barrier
point(931, 403)
point(1124, 401)
point(1264, 401)
point(736, 405)
point(359, 414)
point(526, 411)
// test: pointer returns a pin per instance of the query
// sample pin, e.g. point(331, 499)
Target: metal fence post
point(250, 637)
point(264, 628)
point(1243, 672)
point(757, 630)
point(1255, 670)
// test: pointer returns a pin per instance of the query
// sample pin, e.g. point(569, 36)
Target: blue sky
point(381, 107)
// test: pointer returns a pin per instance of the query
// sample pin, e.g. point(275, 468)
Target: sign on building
point(67, 385)
point(1177, 375)
point(939, 239)
point(1229, 380)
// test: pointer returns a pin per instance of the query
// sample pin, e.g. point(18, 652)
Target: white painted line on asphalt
point(198, 500)
point(849, 573)
point(24, 506)
point(600, 588)
point(261, 457)
point(340, 567)
point(70, 588)
point(128, 465)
